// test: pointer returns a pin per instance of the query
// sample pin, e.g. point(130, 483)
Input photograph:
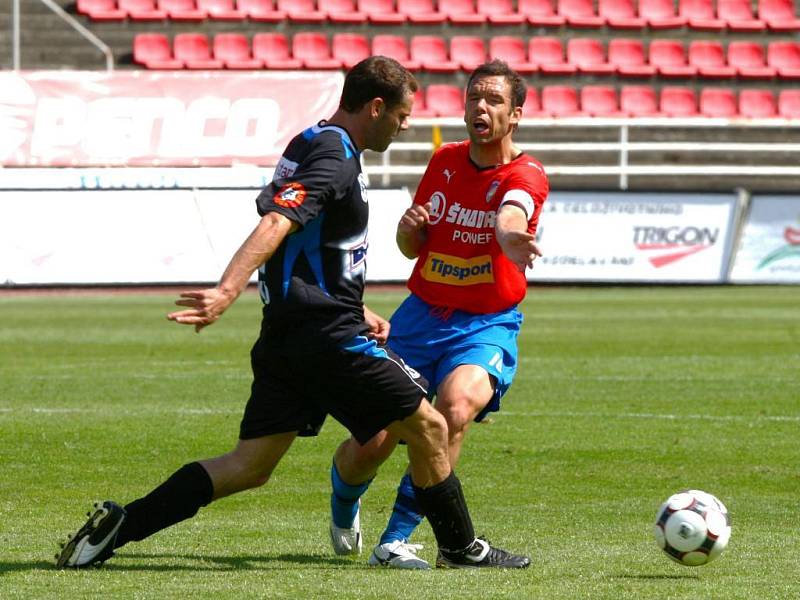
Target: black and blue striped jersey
point(314, 283)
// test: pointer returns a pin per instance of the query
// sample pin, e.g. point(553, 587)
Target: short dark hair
point(376, 77)
point(498, 67)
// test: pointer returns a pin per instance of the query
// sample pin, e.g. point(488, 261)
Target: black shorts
point(365, 392)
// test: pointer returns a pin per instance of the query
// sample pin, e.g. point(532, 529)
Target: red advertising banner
point(139, 118)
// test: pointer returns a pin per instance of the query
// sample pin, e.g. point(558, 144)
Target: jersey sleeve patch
point(290, 195)
point(519, 198)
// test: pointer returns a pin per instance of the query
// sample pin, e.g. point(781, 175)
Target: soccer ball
point(692, 527)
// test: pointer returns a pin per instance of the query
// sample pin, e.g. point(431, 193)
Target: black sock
point(446, 509)
point(175, 500)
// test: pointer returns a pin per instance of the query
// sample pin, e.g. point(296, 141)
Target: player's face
point(389, 124)
point(488, 113)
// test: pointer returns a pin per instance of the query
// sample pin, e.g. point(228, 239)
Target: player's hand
point(520, 248)
point(415, 218)
point(378, 326)
point(205, 307)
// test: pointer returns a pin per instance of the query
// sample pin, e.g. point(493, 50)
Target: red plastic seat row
point(233, 51)
point(714, 15)
point(444, 100)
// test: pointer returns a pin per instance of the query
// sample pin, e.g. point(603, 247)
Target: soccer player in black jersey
point(309, 249)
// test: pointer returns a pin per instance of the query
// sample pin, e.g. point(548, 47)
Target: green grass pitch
point(623, 396)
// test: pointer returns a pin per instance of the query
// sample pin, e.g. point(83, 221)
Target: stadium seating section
point(678, 58)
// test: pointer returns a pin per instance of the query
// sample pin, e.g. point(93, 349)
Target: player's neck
point(352, 124)
point(492, 155)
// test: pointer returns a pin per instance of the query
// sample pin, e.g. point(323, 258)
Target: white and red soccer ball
point(692, 527)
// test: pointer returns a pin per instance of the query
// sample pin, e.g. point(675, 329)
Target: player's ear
point(377, 108)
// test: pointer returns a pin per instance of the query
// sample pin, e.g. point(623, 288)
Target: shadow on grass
point(193, 562)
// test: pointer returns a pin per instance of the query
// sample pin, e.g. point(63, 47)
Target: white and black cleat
point(398, 554)
point(347, 540)
point(93, 544)
point(481, 554)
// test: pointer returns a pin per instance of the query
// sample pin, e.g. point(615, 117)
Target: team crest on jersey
point(491, 191)
point(290, 195)
point(438, 206)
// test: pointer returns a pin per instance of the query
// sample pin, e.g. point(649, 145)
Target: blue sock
point(344, 499)
point(405, 514)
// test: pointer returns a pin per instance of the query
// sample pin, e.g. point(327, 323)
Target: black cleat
point(481, 554)
point(94, 542)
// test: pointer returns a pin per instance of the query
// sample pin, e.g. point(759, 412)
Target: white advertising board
point(635, 237)
point(769, 249)
point(149, 236)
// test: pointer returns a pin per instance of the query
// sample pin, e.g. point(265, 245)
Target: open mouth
point(480, 126)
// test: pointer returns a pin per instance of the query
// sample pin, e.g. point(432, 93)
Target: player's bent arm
point(206, 306)
point(412, 230)
point(511, 229)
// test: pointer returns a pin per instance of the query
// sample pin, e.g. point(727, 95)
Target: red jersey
point(461, 265)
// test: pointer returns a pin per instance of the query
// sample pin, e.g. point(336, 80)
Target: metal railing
point(70, 20)
point(622, 147)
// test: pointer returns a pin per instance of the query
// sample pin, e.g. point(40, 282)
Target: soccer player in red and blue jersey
point(472, 231)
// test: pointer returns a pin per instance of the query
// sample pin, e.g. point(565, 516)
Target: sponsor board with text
point(769, 249)
point(635, 237)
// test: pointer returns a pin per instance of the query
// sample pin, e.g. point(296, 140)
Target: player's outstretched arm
point(517, 244)
point(206, 306)
point(411, 230)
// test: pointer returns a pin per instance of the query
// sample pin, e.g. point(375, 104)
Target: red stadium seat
point(194, 50)
point(341, 11)
point(394, 46)
point(313, 50)
point(660, 14)
point(380, 12)
point(468, 51)
point(789, 104)
point(420, 11)
point(560, 101)
point(700, 14)
point(511, 50)
point(540, 13)
point(445, 100)
point(757, 104)
point(628, 58)
point(142, 10)
point(233, 49)
point(431, 52)
point(589, 56)
point(749, 60)
point(678, 102)
point(302, 11)
point(718, 103)
point(101, 10)
point(274, 49)
point(420, 109)
point(349, 48)
point(461, 12)
point(182, 10)
point(600, 101)
point(580, 13)
point(152, 50)
point(223, 10)
point(620, 14)
point(785, 58)
point(738, 15)
point(638, 101)
point(709, 58)
point(500, 12)
point(779, 15)
point(547, 54)
point(261, 10)
point(533, 106)
point(669, 59)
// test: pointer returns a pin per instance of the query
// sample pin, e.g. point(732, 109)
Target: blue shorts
point(435, 344)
